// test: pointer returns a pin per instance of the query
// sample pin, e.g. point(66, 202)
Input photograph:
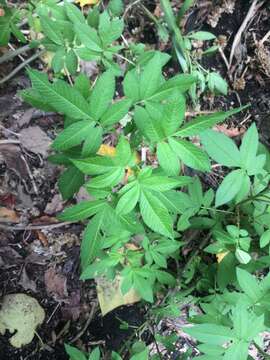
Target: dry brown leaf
point(2, 12)
point(9, 216)
point(35, 140)
point(26, 282)
point(56, 284)
point(221, 256)
point(232, 132)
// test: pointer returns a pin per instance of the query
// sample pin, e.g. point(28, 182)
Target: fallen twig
point(250, 15)
point(88, 321)
point(34, 227)
point(21, 66)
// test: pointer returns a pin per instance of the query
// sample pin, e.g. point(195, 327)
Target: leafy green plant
point(9, 24)
point(134, 155)
point(189, 50)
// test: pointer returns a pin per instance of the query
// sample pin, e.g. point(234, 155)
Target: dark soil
point(34, 252)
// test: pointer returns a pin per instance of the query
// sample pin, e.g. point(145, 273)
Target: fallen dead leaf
point(8, 200)
point(9, 216)
point(42, 238)
point(54, 206)
point(56, 283)
point(35, 140)
point(26, 282)
point(2, 12)
point(232, 132)
point(12, 157)
point(72, 307)
point(110, 296)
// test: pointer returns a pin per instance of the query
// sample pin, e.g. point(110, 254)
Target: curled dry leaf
point(232, 132)
point(22, 313)
point(8, 216)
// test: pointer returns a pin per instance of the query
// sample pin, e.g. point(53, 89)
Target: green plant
point(189, 50)
point(9, 24)
point(143, 204)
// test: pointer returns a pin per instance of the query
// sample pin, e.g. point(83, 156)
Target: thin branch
point(33, 226)
point(12, 53)
point(21, 66)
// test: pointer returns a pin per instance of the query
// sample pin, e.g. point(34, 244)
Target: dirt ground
point(39, 256)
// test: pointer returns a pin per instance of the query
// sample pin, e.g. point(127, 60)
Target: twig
point(11, 54)
point(4, 142)
point(30, 174)
point(21, 66)
point(34, 227)
point(129, 7)
point(10, 131)
point(250, 15)
point(14, 49)
point(266, 36)
point(90, 318)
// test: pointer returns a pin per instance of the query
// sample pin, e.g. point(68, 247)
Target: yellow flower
point(86, 2)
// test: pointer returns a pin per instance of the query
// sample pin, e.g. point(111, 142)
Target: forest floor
point(40, 256)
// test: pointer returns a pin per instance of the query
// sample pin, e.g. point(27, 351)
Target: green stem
point(187, 4)
point(177, 36)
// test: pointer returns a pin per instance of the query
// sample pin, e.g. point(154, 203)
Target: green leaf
point(151, 78)
point(95, 354)
point(203, 122)
point(109, 179)
point(155, 214)
point(249, 147)
point(248, 284)
point(50, 29)
point(242, 256)
point(202, 35)
point(116, 7)
point(95, 165)
point(164, 183)
point(265, 239)
point(72, 135)
point(74, 353)
point(71, 62)
point(73, 13)
point(143, 287)
point(92, 141)
point(129, 200)
point(58, 60)
point(173, 114)
point(217, 84)
point(181, 83)
point(91, 242)
point(168, 160)
point(82, 84)
point(102, 94)
point(70, 182)
point(88, 36)
point(151, 127)
point(82, 211)
point(131, 85)
point(61, 96)
point(211, 334)
point(221, 148)
point(190, 154)
point(115, 112)
point(229, 187)
point(109, 30)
